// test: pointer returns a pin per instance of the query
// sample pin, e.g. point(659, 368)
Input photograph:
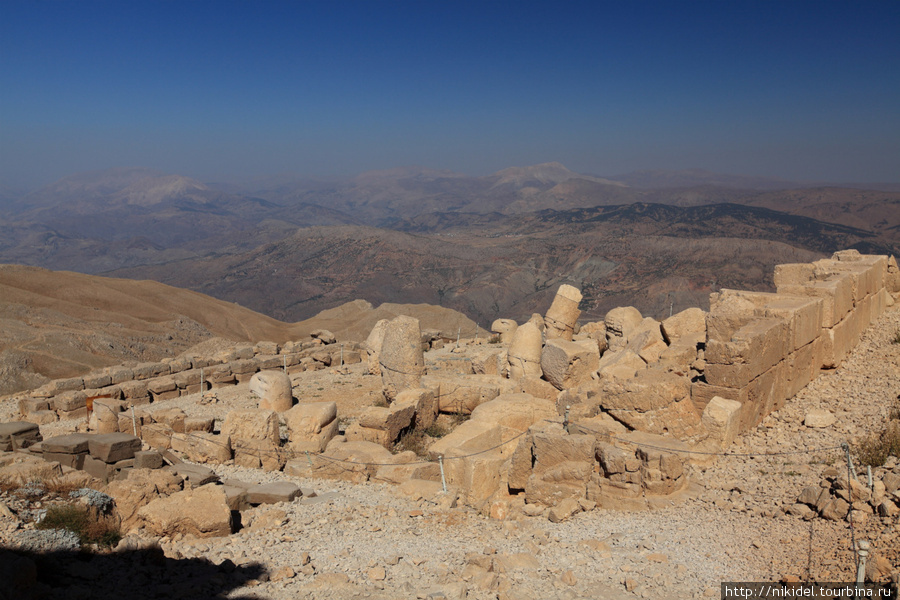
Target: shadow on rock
point(136, 574)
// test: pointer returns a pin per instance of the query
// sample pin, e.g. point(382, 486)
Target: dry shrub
point(413, 439)
point(90, 527)
point(875, 450)
point(9, 483)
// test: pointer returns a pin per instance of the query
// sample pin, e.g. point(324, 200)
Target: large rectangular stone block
point(753, 349)
point(113, 447)
point(803, 316)
point(702, 393)
point(73, 443)
point(793, 274)
point(74, 461)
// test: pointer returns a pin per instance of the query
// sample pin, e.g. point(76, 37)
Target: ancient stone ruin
point(552, 418)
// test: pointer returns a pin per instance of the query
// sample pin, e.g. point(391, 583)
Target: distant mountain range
point(489, 246)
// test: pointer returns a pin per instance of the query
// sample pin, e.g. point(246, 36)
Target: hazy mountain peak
point(153, 190)
point(546, 174)
point(408, 172)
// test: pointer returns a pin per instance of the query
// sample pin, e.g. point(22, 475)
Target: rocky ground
point(373, 541)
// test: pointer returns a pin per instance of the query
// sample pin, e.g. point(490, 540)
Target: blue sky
point(228, 90)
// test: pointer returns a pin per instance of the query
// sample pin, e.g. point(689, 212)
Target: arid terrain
point(487, 246)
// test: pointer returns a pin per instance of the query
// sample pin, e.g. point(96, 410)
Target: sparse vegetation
point(90, 526)
point(896, 338)
point(381, 402)
point(414, 439)
point(875, 450)
point(494, 339)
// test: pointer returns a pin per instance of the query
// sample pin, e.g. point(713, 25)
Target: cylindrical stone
point(563, 313)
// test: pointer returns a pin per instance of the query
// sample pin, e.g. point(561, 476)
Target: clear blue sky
point(226, 90)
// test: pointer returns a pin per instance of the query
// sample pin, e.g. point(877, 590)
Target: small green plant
point(90, 528)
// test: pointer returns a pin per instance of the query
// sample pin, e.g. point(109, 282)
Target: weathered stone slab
point(148, 459)
point(194, 475)
point(73, 443)
point(271, 493)
point(113, 447)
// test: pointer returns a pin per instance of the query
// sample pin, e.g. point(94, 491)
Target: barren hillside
point(61, 324)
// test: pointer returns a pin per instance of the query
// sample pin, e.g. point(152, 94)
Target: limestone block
point(568, 364)
point(149, 370)
point(72, 384)
point(450, 364)
point(73, 461)
point(202, 447)
point(819, 418)
point(201, 512)
point(424, 405)
point(565, 509)
point(373, 346)
point(113, 447)
point(96, 380)
point(311, 426)
point(400, 473)
point(892, 276)
point(134, 389)
point(273, 389)
point(393, 419)
point(70, 401)
point(620, 322)
point(646, 341)
point(478, 477)
point(620, 365)
point(463, 393)
point(524, 355)
point(42, 417)
point(255, 438)
point(505, 328)
point(802, 365)
point(173, 417)
point(148, 459)
point(655, 401)
point(157, 435)
point(355, 461)
point(245, 366)
point(73, 443)
point(616, 461)
point(27, 405)
point(266, 348)
point(20, 434)
point(105, 415)
point(355, 432)
point(803, 316)
point(563, 313)
point(272, 493)
point(766, 393)
point(204, 424)
point(119, 374)
point(721, 417)
point(324, 335)
point(793, 274)
point(401, 359)
point(489, 361)
point(753, 348)
point(682, 353)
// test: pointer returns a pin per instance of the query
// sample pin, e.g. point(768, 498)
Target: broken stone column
point(311, 426)
point(401, 359)
point(505, 328)
point(525, 352)
point(273, 389)
point(373, 346)
point(563, 313)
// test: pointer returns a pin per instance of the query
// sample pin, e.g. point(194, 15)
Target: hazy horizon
point(228, 91)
